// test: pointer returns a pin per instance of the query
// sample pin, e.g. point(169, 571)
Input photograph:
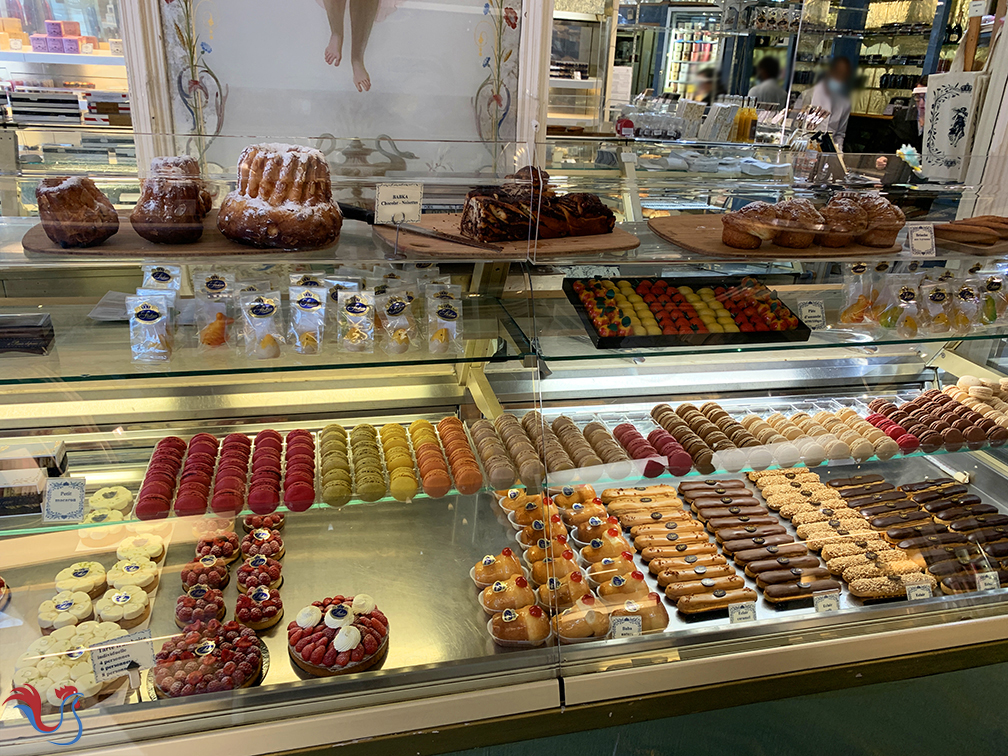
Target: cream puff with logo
point(143, 546)
point(142, 573)
point(528, 626)
point(650, 609)
point(64, 609)
point(622, 587)
point(492, 568)
point(560, 593)
point(588, 618)
point(513, 593)
point(86, 577)
point(127, 606)
point(610, 544)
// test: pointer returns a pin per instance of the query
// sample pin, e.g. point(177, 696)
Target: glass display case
point(399, 482)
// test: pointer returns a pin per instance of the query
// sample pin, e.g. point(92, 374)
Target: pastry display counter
point(494, 531)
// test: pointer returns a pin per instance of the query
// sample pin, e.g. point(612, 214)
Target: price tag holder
point(627, 130)
point(629, 157)
point(977, 8)
point(398, 203)
point(745, 612)
point(812, 313)
point(922, 239)
point(918, 591)
point(827, 602)
point(626, 627)
point(64, 500)
point(987, 581)
point(16, 45)
point(122, 656)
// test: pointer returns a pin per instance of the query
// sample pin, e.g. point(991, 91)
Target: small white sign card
point(123, 655)
point(827, 602)
point(64, 500)
point(812, 313)
point(398, 203)
point(918, 591)
point(745, 612)
point(987, 581)
point(626, 627)
point(922, 239)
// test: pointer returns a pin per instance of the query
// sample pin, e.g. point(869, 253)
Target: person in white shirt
point(832, 94)
point(769, 89)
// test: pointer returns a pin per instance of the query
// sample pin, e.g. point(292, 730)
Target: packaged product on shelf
point(252, 286)
point(262, 325)
point(356, 321)
point(859, 295)
point(150, 333)
point(213, 316)
point(158, 276)
point(171, 296)
point(993, 299)
point(444, 319)
point(937, 307)
point(398, 332)
point(966, 306)
point(310, 278)
point(307, 318)
point(213, 281)
point(903, 313)
point(334, 285)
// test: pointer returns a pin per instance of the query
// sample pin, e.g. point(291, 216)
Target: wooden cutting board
point(414, 245)
point(702, 234)
point(998, 249)
point(128, 243)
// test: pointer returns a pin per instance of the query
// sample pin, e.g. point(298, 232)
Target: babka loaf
point(74, 212)
point(526, 207)
point(173, 202)
point(283, 200)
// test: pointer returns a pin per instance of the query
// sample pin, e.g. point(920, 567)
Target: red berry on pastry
point(263, 542)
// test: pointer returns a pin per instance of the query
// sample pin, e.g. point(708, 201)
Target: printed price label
point(827, 602)
point(398, 203)
point(922, 239)
point(977, 8)
point(987, 581)
point(64, 500)
point(812, 313)
point(627, 130)
point(742, 612)
point(15, 45)
point(117, 657)
point(918, 591)
point(626, 627)
point(629, 157)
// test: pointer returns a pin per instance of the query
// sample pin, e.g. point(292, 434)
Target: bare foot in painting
point(334, 50)
point(360, 76)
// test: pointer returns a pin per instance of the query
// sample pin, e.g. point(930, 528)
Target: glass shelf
point(87, 350)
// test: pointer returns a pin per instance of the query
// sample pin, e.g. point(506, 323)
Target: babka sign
point(329, 70)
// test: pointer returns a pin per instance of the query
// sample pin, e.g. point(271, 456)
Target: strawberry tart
point(223, 544)
point(208, 571)
point(274, 521)
point(259, 571)
point(260, 608)
point(338, 635)
point(263, 542)
point(199, 604)
point(207, 657)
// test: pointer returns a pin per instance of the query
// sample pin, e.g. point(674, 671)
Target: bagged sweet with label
point(262, 328)
point(251, 286)
point(213, 281)
point(398, 329)
point(158, 276)
point(858, 295)
point(993, 299)
point(171, 297)
point(356, 321)
point(966, 306)
point(214, 318)
point(937, 306)
point(307, 318)
point(444, 326)
point(903, 314)
point(307, 279)
point(150, 335)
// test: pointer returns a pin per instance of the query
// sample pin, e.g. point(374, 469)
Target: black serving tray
point(801, 333)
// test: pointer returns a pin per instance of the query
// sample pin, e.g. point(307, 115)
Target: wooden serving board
point(414, 245)
point(128, 243)
point(702, 234)
point(998, 249)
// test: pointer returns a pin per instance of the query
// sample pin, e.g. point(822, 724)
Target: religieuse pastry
point(283, 199)
point(74, 212)
point(173, 202)
point(338, 635)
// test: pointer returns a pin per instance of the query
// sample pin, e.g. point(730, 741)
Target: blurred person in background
point(832, 93)
point(708, 88)
point(769, 89)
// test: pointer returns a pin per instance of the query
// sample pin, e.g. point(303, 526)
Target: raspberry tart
point(259, 571)
point(274, 521)
point(338, 635)
point(260, 608)
point(199, 604)
point(207, 657)
point(223, 544)
point(208, 571)
point(264, 542)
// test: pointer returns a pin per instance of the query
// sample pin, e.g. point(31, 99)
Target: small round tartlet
point(259, 571)
point(199, 604)
point(263, 542)
point(127, 607)
point(208, 571)
point(272, 521)
point(338, 635)
point(223, 544)
point(261, 608)
point(87, 577)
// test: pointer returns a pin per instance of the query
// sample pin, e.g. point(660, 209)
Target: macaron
point(336, 494)
point(227, 501)
point(189, 503)
point(299, 496)
point(263, 498)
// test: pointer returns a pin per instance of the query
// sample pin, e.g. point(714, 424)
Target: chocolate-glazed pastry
point(585, 214)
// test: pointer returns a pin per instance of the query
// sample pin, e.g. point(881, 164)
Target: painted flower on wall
point(511, 17)
point(497, 38)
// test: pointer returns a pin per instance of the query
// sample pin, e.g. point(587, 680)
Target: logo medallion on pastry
point(206, 648)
